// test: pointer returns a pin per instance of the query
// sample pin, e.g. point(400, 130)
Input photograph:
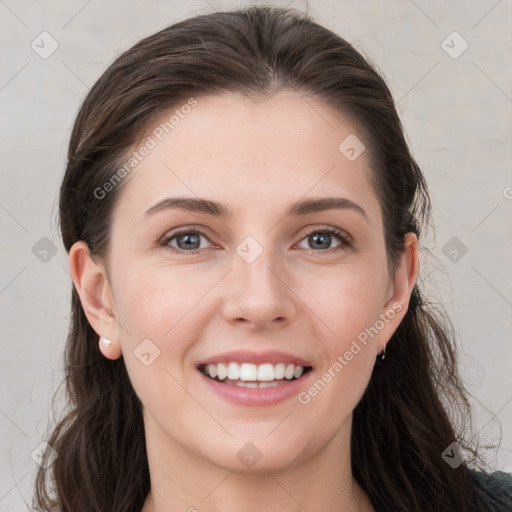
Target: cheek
point(349, 358)
point(156, 332)
point(350, 309)
point(152, 301)
point(346, 301)
point(160, 329)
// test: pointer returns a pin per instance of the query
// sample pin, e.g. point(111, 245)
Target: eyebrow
point(299, 208)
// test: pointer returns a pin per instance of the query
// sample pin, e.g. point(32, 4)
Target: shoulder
point(496, 489)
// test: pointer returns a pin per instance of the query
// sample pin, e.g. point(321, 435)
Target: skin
point(296, 297)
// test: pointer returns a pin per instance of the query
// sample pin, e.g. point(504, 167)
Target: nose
point(257, 293)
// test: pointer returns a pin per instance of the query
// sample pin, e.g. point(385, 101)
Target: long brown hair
point(400, 426)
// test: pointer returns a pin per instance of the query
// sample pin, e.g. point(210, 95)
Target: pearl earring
point(107, 342)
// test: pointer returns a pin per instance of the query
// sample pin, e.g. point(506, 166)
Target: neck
point(181, 481)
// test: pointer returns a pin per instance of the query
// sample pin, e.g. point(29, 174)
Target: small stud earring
point(107, 342)
point(383, 354)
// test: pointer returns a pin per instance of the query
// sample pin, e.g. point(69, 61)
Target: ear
point(91, 282)
point(401, 287)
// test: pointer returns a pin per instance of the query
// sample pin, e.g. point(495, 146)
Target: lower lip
point(257, 396)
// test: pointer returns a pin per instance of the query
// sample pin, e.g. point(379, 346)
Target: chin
point(243, 456)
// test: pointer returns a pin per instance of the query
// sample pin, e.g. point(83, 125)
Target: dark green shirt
point(496, 488)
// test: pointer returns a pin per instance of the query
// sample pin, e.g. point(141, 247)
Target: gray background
point(456, 110)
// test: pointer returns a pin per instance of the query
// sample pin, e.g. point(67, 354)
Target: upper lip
point(249, 356)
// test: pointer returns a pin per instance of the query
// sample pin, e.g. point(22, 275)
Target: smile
point(255, 378)
point(250, 372)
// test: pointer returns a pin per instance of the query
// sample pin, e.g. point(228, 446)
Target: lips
point(257, 394)
point(245, 356)
point(274, 382)
point(250, 372)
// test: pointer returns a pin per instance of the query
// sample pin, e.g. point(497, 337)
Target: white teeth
point(246, 384)
point(298, 371)
point(288, 373)
point(233, 371)
point(222, 371)
point(212, 370)
point(257, 384)
point(279, 371)
point(248, 371)
point(265, 373)
point(269, 384)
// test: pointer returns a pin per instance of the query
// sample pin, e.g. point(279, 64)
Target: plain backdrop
point(448, 65)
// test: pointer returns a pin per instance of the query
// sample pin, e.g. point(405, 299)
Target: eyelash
point(340, 235)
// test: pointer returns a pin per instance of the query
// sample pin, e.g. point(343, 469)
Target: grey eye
point(186, 240)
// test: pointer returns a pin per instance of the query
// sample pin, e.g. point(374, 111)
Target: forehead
point(242, 152)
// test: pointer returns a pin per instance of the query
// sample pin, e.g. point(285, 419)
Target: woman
point(242, 215)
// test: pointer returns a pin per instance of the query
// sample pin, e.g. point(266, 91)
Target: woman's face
point(187, 286)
